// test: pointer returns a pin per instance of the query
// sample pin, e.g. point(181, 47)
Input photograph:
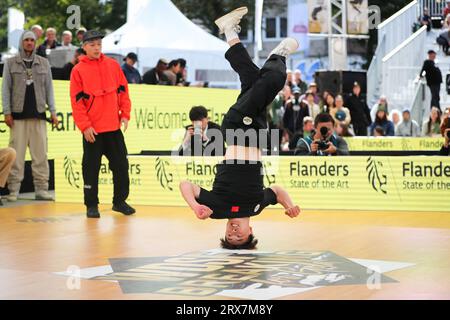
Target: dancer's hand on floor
point(293, 212)
point(202, 212)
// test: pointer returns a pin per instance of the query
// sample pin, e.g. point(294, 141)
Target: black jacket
point(218, 146)
point(433, 73)
point(152, 77)
point(359, 111)
point(42, 49)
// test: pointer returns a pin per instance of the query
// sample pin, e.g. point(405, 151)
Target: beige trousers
point(30, 133)
point(7, 158)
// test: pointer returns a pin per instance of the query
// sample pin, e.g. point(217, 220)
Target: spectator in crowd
point(444, 40)
point(79, 34)
point(432, 126)
point(38, 32)
point(313, 89)
point(381, 102)
point(50, 42)
point(323, 100)
point(433, 76)
point(298, 82)
point(101, 106)
point(182, 74)
point(340, 113)
point(67, 39)
point(202, 134)
point(445, 131)
point(130, 72)
point(379, 132)
point(359, 111)
point(156, 75)
point(171, 72)
point(27, 89)
point(323, 141)
point(294, 114)
point(343, 130)
point(396, 117)
point(7, 158)
point(408, 127)
point(446, 11)
point(446, 22)
point(67, 69)
point(313, 108)
point(329, 103)
point(381, 121)
point(425, 19)
point(308, 126)
point(290, 79)
point(276, 109)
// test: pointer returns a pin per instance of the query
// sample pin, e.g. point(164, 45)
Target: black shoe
point(92, 212)
point(123, 208)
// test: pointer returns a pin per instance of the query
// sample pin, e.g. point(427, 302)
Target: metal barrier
point(436, 8)
point(401, 67)
point(391, 33)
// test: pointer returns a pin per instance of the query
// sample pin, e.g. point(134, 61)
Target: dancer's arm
point(285, 200)
point(190, 193)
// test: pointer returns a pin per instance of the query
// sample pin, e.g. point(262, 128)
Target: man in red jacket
point(100, 105)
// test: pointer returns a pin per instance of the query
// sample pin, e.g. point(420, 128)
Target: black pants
point(435, 95)
point(259, 88)
point(112, 145)
point(360, 131)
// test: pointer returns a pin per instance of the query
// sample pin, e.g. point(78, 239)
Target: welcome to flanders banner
point(359, 183)
point(160, 113)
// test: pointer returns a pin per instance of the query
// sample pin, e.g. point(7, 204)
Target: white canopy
point(157, 29)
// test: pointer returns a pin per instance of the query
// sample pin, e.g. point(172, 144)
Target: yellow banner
point(359, 183)
point(158, 117)
point(394, 144)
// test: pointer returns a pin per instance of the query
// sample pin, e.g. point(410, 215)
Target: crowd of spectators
point(297, 106)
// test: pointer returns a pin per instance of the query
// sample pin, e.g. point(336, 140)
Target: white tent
point(157, 29)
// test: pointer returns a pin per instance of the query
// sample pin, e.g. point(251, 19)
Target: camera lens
point(324, 131)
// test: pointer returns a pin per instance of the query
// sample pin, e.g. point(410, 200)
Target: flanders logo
point(164, 178)
point(377, 179)
point(270, 178)
point(71, 175)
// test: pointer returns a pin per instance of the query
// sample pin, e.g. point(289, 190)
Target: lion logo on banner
point(377, 179)
point(164, 178)
point(70, 174)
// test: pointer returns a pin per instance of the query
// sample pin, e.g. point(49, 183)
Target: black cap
point(133, 56)
point(431, 52)
point(356, 84)
point(92, 35)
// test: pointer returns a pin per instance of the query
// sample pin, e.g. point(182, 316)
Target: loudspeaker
point(340, 82)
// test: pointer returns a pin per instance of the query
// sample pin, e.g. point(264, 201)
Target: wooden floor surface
point(39, 239)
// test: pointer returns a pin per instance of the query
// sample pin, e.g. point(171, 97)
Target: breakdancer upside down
point(238, 191)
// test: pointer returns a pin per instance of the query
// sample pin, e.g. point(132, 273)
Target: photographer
point(323, 141)
point(203, 133)
point(445, 129)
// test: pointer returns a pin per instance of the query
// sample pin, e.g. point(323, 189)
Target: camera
point(197, 128)
point(323, 143)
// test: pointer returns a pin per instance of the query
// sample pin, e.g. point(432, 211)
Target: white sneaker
point(286, 47)
point(231, 20)
point(12, 197)
point(43, 195)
